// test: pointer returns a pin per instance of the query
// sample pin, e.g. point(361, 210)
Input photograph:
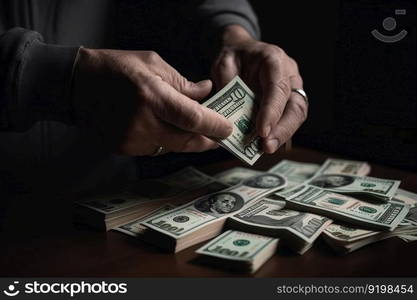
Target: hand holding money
point(236, 102)
point(269, 71)
point(158, 108)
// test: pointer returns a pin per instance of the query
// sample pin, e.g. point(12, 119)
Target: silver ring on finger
point(302, 93)
point(158, 151)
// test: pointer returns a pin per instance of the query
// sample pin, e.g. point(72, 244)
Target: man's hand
point(137, 103)
point(272, 74)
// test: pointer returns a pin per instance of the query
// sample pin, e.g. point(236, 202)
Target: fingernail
point(266, 131)
point(272, 145)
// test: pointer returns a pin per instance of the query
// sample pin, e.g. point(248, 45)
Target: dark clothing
point(38, 45)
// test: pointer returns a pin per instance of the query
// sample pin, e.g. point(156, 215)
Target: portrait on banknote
point(332, 181)
point(265, 181)
point(220, 203)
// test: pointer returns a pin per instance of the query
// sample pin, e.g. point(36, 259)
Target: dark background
point(362, 91)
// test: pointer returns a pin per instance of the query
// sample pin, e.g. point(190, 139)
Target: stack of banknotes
point(249, 212)
point(136, 199)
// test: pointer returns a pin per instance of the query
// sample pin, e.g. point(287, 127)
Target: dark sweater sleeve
point(219, 13)
point(35, 80)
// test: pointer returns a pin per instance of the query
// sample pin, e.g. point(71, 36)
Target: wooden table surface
point(83, 252)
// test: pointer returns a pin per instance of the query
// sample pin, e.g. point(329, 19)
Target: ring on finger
point(158, 151)
point(302, 93)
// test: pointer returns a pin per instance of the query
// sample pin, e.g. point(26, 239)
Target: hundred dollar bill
point(237, 103)
point(239, 250)
point(235, 175)
point(342, 166)
point(203, 218)
point(381, 216)
point(348, 234)
point(383, 189)
point(406, 197)
point(134, 228)
point(297, 229)
point(345, 238)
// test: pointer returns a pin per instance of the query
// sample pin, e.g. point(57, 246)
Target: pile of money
point(374, 216)
point(135, 228)
point(345, 238)
point(204, 217)
point(249, 210)
point(136, 199)
point(240, 251)
point(370, 216)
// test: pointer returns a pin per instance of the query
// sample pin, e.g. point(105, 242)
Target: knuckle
point(274, 55)
point(275, 51)
point(300, 109)
point(284, 135)
point(283, 88)
point(298, 81)
point(146, 86)
point(293, 64)
point(193, 119)
point(182, 82)
point(275, 110)
point(152, 56)
point(143, 91)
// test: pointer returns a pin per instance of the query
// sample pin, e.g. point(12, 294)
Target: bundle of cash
point(135, 228)
point(136, 199)
point(300, 172)
point(346, 238)
point(382, 189)
point(374, 216)
point(239, 251)
point(298, 230)
point(204, 217)
point(236, 102)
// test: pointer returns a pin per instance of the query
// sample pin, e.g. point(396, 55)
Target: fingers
point(177, 140)
point(276, 89)
point(225, 69)
point(294, 115)
point(186, 114)
point(165, 135)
